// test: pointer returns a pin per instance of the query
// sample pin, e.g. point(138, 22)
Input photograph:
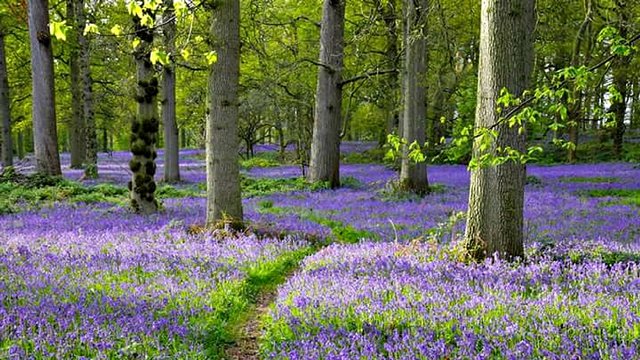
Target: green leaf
point(91, 29)
point(135, 9)
point(59, 29)
point(212, 57)
point(135, 43)
point(159, 56)
point(185, 53)
point(116, 30)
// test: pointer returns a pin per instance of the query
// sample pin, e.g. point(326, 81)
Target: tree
point(76, 126)
point(325, 147)
point(144, 128)
point(413, 175)
point(5, 102)
point(89, 121)
point(620, 71)
point(495, 216)
point(45, 135)
point(171, 145)
point(223, 173)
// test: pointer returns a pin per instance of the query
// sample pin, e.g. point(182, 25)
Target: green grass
point(595, 179)
point(623, 196)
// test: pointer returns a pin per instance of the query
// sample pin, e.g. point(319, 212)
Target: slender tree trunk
point(387, 10)
point(620, 79)
point(76, 126)
point(5, 112)
point(45, 135)
point(495, 216)
point(413, 176)
point(20, 143)
point(325, 147)
point(144, 129)
point(91, 135)
point(223, 172)
point(635, 105)
point(171, 145)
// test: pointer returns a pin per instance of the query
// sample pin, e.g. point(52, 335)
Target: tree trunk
point(91, 135)
point(387, 10)
point(171, 145)
point(45, 135)
point(620, 78)
point(224, 203)
point(5, 112)
point(325, 147)
point(144, 129)
point(76, 126)
point(413, 176)
point(496, 197)
point(20, 143)
point(635, 106)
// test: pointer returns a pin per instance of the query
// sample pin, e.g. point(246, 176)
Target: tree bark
point(387, 10)
point(620, 79)
point(5, 100)
point(76, 126)
point(325, 147)
point(495, 216)
point(45, 135)
point(144, 128)
point(224, 203)
point(413, 176)
point(171, 140)
point(90, 133)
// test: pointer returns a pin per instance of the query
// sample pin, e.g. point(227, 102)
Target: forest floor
point(247, 343)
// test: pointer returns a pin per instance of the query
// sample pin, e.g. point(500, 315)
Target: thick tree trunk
point(325, 147)
point(413, 176)
point(5, 112)
point(171, 145)
point(45, 135)
point(144, 129)
point(224, 203)
point(76, 126)
point(495, 216)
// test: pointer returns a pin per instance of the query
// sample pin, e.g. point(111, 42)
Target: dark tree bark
point(171, 144)
point(144, 128)
point(76, 126)
point(495, 216)
point(45, 134)
point(5, 100)
point(388, 12)
point(325, 147)
point(90, 133)
point(224, 203)
point(413, 176)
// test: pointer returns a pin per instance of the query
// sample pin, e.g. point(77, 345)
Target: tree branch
point(366, 76)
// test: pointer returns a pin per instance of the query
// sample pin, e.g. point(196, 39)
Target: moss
point(138, 147)
point(134, 165)
point(150, 168)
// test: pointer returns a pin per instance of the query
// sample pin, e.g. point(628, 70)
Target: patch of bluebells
point(100, 282)
point(395, 301)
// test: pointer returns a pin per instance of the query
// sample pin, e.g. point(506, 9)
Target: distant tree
point(5, 101)
point(144, 128)
point(495, 216)
point(45, 135)
point(76, 126)
point(171, 144)
point(224, 201)
point(325, 147)
point(413, 175)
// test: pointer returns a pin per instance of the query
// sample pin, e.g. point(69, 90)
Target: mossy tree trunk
point(144, 128)
point(224, 204)
point(325, 147)
point(45, 133)
point(5, 112)
point(171, 144)
point(620, 80)
point(496, 196)
point(413, 176)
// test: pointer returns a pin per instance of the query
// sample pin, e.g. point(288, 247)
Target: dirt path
point(246, 346)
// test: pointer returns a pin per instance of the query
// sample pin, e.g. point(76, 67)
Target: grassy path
point(263, 287)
